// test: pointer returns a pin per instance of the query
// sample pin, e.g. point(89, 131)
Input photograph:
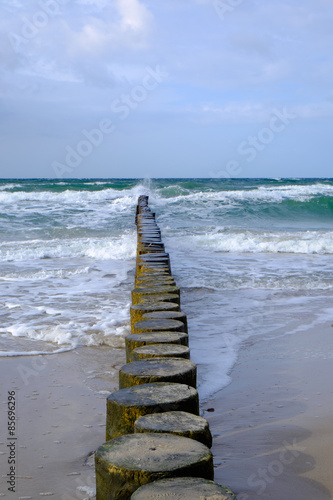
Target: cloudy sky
point(166, 88)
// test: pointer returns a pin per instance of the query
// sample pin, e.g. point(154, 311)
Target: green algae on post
point(128, 462)
point(177, 370)
point(141, 292)
point(138, 310)
point(160, 351)
point(148, 338)
point(159, 297)
point(176, 422)
point(183, 488)
point(154, 325)
point(177, 315)
point(125, 406)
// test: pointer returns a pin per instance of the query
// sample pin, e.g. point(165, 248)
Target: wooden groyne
point(156, 445)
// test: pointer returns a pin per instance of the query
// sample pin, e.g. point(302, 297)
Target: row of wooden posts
point(157, 445)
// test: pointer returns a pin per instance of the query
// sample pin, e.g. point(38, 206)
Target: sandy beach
point(272, 425)
point(60, 409)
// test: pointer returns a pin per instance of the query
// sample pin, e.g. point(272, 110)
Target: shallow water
point(250, 256)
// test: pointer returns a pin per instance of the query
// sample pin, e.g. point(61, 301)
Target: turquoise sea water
point(252, 257)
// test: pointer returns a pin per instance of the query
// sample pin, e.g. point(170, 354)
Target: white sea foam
point(208, 269)
point(309, 242)
point(7, 187)
point(37, 274)
point(77, 296)
point(221, 320)
point(215, 362)
point(258, 194)
point(69, 284)
point(69, 326)
point(126, 198)
point(87, 490)
point(119, 248)
point(7, 354)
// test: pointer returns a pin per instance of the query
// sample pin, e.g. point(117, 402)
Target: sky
point(166, 88)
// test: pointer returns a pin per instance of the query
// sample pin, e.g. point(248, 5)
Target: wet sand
point(273, 425)
point(60, 409)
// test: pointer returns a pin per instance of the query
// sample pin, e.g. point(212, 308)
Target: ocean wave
point(175, 196)
point(62, 330)
point(117, 248)
point(309, 242)
point(43, 274)
point(7, 187)
point(275, 194)
point(128, 197)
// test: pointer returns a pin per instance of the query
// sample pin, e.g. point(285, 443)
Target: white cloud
point(263, 55)
point(48, 70)
point(124, 23)
point(80, 43)
point(93, 38)
point(236, 112)
point(134, 15)
point(314, 110)
point(260, 112)
point(126, 27)
point(12, 5)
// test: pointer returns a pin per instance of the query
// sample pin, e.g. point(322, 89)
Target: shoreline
point(60, 410)
point(272, 425)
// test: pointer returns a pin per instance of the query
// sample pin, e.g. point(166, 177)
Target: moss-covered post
point(157, 444)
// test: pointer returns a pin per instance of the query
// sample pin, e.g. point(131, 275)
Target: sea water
point(251, 256)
